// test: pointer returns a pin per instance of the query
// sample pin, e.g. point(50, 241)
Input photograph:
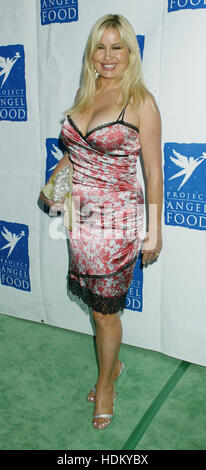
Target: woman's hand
point(153, 238)
point(50, 203)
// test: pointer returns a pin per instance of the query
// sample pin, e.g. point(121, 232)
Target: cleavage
point(92, 125)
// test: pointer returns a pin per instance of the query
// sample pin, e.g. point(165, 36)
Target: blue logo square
point(13, 106)
point(55, 152)
point(184, 185)
point(134, 295)
point(175, 5)
point(58, 11)
point(14, 258)
point(141, 40)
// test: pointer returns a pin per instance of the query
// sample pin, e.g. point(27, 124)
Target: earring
point(95, 74)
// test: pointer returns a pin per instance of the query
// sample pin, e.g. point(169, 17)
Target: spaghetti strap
point(121, 116)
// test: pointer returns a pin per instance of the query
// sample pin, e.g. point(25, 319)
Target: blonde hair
point(131, 80)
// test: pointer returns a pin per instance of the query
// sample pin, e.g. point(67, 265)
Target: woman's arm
point(150, 141)
point(62, 163)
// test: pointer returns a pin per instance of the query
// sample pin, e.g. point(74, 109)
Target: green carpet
point(46, 373)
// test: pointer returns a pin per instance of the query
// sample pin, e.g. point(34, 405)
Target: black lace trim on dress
point(98, 303)
point(105, 275)
point(107, 124)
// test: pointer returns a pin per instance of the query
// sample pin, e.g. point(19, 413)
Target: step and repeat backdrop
point(41, 50)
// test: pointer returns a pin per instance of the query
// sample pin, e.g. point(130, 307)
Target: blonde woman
point(113, 116)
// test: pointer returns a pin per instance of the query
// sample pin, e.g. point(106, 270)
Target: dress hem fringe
point(99, 303)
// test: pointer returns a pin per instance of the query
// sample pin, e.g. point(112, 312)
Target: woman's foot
point(92, 393)
point(104, 402)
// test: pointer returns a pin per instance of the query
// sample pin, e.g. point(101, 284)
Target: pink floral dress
point(109, 207)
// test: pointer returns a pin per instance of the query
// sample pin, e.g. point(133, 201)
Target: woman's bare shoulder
point(150, 118)
point(148, 106)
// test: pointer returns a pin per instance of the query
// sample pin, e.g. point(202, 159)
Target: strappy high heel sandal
point(91, 399)
point(105, 415)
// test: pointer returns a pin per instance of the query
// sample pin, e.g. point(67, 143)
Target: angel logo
point(185, 195)
point(58, 11)
point(14, 255)
point(189, 164)
point(13, 105)
point(6, 65)
point(12, 239)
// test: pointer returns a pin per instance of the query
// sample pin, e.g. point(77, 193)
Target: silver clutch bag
point(62, 185)
point(59, 186)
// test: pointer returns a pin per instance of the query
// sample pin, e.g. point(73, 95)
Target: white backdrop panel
point(20, 159)
point(182, 101)
point(172, 320)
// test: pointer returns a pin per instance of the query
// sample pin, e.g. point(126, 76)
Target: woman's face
point(111, 57)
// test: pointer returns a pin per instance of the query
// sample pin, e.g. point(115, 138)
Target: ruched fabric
point(109, 205)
